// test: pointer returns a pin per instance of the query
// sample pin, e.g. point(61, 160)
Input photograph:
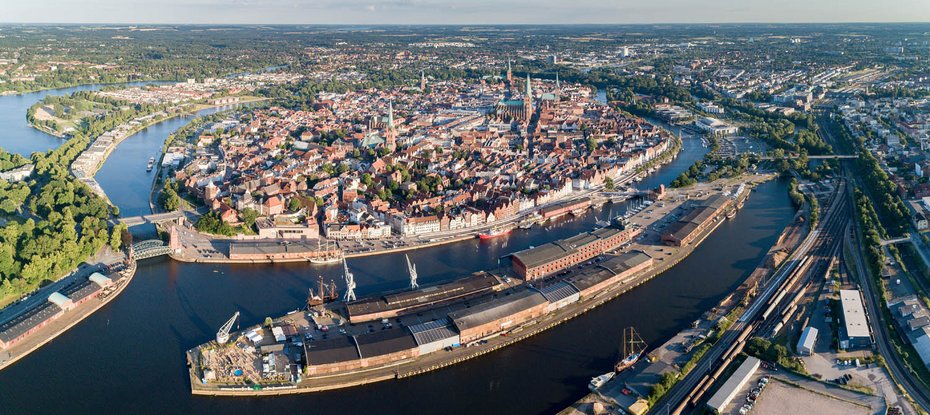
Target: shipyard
point(336, 340)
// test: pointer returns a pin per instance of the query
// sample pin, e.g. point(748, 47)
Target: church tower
point(509, 73)
point(422, 81)
point(390, 136)
point(528, 100)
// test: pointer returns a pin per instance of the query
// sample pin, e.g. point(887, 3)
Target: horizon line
point(886, 22)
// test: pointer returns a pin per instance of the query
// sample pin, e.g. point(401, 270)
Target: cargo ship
point(633, 348)
point(494, 233)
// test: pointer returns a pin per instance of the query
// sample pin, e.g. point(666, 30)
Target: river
point(129, 356)
point(17, 136)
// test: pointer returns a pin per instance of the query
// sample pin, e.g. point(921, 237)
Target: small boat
point(598, 381)
point(151, 164)
point(633, 348)
point(494, 233)
point(731, 214)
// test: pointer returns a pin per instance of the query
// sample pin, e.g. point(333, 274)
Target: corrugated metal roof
point(432, 331)
point(100, 279)
point(496, 309)
point(922, 345)
point(558, 291)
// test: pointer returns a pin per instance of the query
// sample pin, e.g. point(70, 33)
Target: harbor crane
point(222, 336)
point(413, 273)
point(350, 282)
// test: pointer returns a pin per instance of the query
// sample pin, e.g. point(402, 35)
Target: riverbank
point(45, 334)
point(665, 257)
point(86, 166)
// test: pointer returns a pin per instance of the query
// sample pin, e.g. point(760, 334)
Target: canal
point(129, 356)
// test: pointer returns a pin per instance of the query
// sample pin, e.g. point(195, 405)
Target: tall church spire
point(390, 136)
point(509, 73)
point(557, 86)
point(422, 80)
point(391, 114)
point(529, 89)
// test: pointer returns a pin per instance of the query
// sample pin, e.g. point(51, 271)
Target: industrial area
point(797, 336)
point(332, 344)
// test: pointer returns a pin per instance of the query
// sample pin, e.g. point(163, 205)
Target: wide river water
point(129, 356)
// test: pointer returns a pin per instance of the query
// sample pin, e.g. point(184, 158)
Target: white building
point(807, 341)
point(716, 127)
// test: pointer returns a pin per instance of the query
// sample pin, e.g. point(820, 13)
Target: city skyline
point(462, 12)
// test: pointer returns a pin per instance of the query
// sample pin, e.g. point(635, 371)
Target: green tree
point(293, 204)
point(116, 237)
point(609, 184)
point(248, 216)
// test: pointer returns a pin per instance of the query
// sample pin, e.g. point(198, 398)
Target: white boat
point(598, 381)
point(326, 260)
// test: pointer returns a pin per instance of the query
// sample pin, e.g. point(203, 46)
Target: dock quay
point(320, 349)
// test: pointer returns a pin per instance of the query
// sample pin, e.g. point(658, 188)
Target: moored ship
point(151, 164)
point(633, 348)
point(494, 233)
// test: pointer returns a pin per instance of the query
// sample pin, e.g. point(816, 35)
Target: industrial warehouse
point(545, 259)
point(494, 313)
point(702, 215)
point(56, 304)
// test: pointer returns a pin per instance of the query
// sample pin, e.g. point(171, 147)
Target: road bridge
point(131, 221)
point(896, 240)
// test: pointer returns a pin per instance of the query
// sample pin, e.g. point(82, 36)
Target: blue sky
point(463, 11)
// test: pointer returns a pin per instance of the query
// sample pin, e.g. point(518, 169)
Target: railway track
point(880, 332)
point(811, 256)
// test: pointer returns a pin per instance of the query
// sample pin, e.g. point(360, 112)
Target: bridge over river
point(149, 249)
point(131, 221)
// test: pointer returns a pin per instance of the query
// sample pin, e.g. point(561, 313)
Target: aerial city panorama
point(465, 207)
